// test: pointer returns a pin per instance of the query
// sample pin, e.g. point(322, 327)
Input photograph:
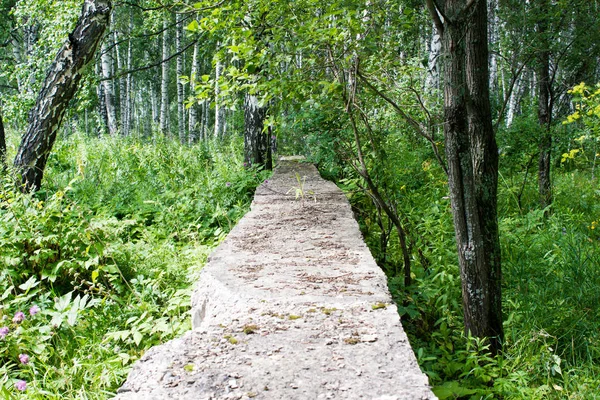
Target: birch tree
point(256, 141)
point(107, 61)
point(164, 85)
point(181, 125)
point(219, 115)
point(58, 89)
point(194, 133)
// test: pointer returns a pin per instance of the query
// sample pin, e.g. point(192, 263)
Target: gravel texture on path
point(290, 306)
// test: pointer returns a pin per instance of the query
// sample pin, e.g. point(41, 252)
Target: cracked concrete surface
point(290, 306)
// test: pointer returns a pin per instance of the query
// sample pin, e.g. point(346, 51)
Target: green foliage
point(550, 271)
point(107, 253)
point(583, 150)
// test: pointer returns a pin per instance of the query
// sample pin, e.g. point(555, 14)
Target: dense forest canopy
point(464, 132)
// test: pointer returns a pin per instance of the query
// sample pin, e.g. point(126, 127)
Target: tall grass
point(108, 251)
point(551, 281)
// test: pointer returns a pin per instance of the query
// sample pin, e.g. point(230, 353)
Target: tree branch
point(435, 15)
point(144, 9)
point(149, 66)
point(509, 94)
point(146, 35)
point(417, 126)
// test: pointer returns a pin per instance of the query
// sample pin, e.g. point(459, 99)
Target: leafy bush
point(551, 265)
point(98, 266)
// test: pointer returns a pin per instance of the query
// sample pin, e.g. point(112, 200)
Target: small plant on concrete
point(300, 192)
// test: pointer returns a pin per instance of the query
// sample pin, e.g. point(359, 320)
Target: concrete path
point(290, 306)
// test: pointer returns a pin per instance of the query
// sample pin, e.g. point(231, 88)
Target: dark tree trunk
point(256, 141)
point(472, 157)
point(2, 146)
point(544, 111)
point(60, 85)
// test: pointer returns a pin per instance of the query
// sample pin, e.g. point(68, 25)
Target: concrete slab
point(290, 306)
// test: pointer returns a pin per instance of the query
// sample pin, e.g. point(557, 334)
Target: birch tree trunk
point(193, 116)
point(218, 110)
point(122, 102)
point(58, 89)
point(101, 101)
point(472, 156)
point(164, 87)
point(432, 81)
point(180, 89)
point(154, 103)
point(128, 116)
point(256, 142)
point(109, 97)
point(205, 120)
point(513, 102)
point(493, 40)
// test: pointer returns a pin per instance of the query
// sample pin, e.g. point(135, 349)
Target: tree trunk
point(472, 157)
point(109, 96)
point(432, 81)
point(154, 103)
point(544, 111)
point(2, 146)
point(493, 40)
point(122, 102)
point(218, 110)
point(205, 120)
point(59, 87)
point(193, 118)
point(256, 141)
point(181, 125)
point(513, 102)
point(101, 102)
point(164, 87)
point(128, 117)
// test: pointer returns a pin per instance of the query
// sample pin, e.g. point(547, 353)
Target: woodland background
point(173, 125)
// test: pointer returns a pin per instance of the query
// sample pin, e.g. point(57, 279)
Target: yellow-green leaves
point(587, 105)
point(193, 26)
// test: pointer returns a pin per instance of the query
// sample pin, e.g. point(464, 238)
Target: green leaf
point(31, 283)
point(7, 292)
point(451, 390)
point(61, 303)
point(137, 337)
point(193, 26)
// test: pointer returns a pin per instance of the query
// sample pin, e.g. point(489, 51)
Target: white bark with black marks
point(164, 86)
point(219, 117)
point(181, 125)
point(59, 87)
point(193, 127)
point(109, 96)
point(256, 141)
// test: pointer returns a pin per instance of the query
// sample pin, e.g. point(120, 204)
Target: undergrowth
point(98, 266)
point(551, 275)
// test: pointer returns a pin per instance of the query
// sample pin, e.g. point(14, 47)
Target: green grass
point(108, 250)
point(551, 301)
